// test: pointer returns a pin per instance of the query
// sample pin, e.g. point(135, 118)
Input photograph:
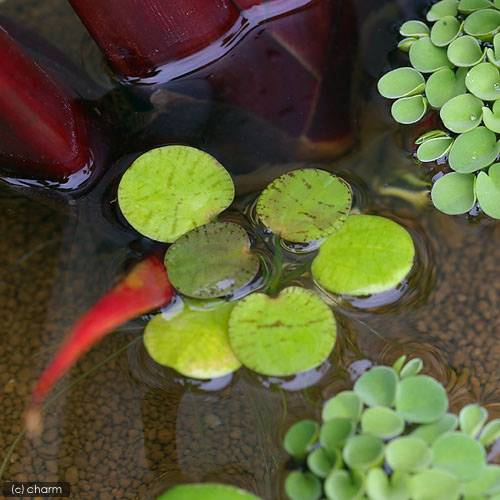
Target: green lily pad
point(206, 491)
point(442, 9)
point(305, 205)
point(302, 486)
point(432, 134)
point(408, 454)
point(483, 24)
point(488, 191)
point(445, 31)
point(377, 387)
point(473, 150)
point(487, 483)
point(462, 113)
point(469, 6)
point(460, 455)
point(433, 149)
point(194, 342)
point(345, 404)
point(171, 190)
point(414, 28)
point(472, 417)
point(335, 432)
point(342, 485)
point(320, 462)
point(492, 119)
point(380, 487)
point(369, 254)
point(409, 110)
point(490, 433)
point(211, 261)
point(427, 58)
point(453, 194)
point(301, 438)
point(405, 44)
point(430, 432)
point(401, 82)
point(382, 422)
point(484, 81)
point(465, 51)
point(281, 336)
point(421, 399)
point(412, 368)
point(363, 452)
point(445, 84)
point(432, 484)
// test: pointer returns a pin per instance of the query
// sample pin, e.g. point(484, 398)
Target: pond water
point(120, 426)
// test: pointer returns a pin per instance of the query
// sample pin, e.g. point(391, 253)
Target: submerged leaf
point(453, 193)
point(206, 491)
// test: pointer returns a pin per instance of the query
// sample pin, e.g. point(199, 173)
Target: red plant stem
point(43, 130)
point(145, 288)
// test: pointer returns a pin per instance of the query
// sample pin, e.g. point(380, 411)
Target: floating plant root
point(145, 288)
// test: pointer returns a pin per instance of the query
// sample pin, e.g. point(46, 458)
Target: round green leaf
point(491, 120)
point(445, 31)
point(320, 462)
point(488, 191)
point(421, 399)
point(345, 404)
point(412, 368)
point(453, 193)
point(302, 486)
point(462, 113)
point(211, 261)
point(469, 6)
point(487, 483)
point(433, 149)
point(380, 487)
point(377, 387)
point(432, 134)
point(442, 9)
point(465, 51)
point(430, 432)
point(460, 455)
point(432, 484)
point(342, 485)
point(401, 82)
point(281, 336)
point(168, 191)
point(206, 491)
point(427, 58)
point(445, 84)
point(405, 44)
point(473, 150)
point(484, 81)
point(382, 422)
point(194, 342)
point(409, 110)
point(370, 254)
point(414, 28)
point(490, 433)
point(408, 454)
point(301, 438)
point(305, 205)
point(472, 417)
point(483, 23)
point(363, 452)
point(335, 432)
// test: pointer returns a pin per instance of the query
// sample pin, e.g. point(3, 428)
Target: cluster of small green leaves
point(459, 52)
point(391, 438)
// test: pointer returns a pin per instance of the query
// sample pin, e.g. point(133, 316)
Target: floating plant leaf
point(409, 110)
point(401, 82)
point(414, 28)
point(460, 455)
point(445, 84)
point(380, 487)
point(399, 363)
point(462, 113)
point(469, 6)
point(320, 462)
point(488, 191)
point(168, 191)
point(211, 261)
point(194, 342)
point(301, 437)
point(412, 368)
point(432, 484)
point(442, 9)
point(473, 150)
point(483, 81)
point(426, 57)
point(472, 417)
point(465, 51)
point(408, 454)
point(363, 452)
point(483, 23)
point(342, 485)
point(382, 422)
point(305, 205)
point(302, 486)
point(445, 31)
point(433, 149)
point(345, 404)
point(421, 399)
point(491, 118)
point(487, 483)
point(493, 54)
point(377, 387)
point(281, 336)
point(405, 44)
point(335, 432)
point(206, 491)
point(432, 134)
point(490, 433)
point(430, 432)
point(369, 254)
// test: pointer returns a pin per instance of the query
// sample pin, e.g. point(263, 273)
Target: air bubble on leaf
point(462, 113)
